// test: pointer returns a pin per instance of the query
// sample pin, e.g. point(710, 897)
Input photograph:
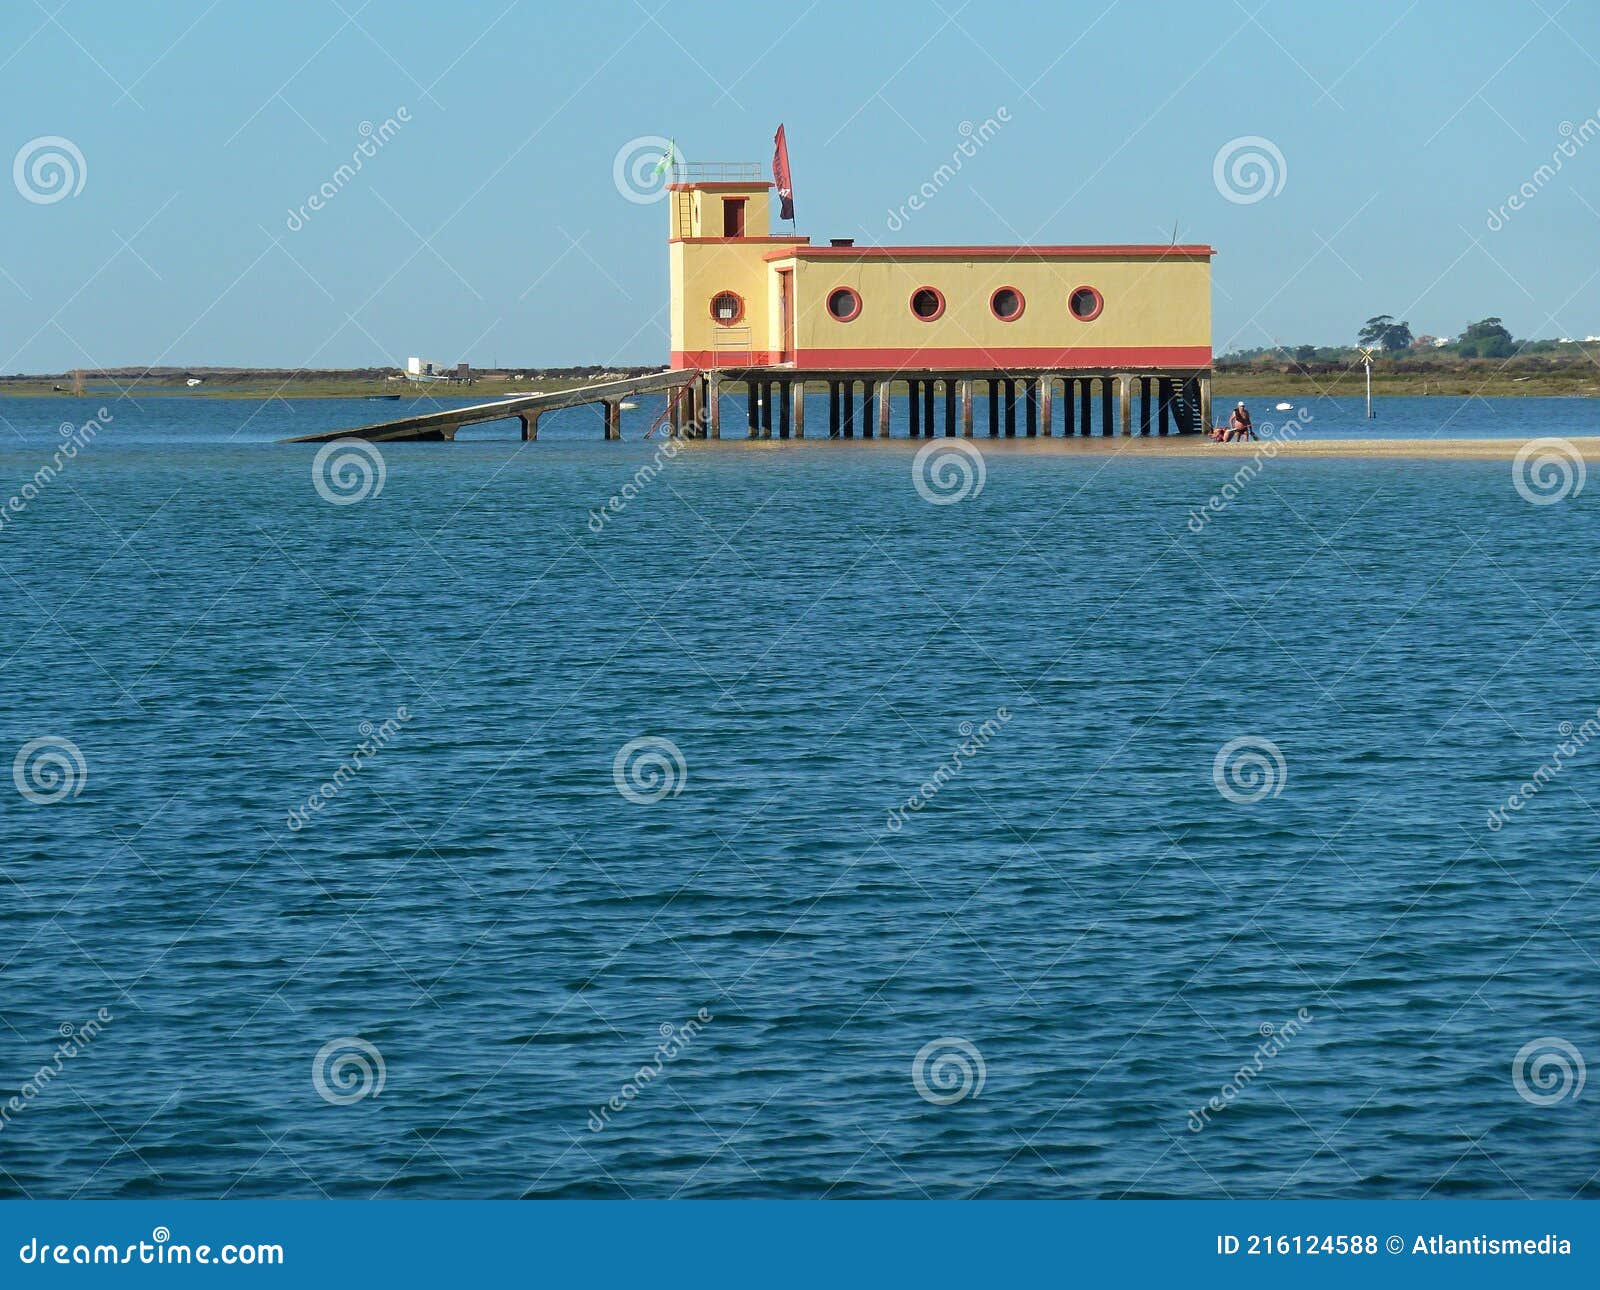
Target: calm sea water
point(943, 896)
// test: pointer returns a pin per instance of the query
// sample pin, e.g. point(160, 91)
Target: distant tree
point(1385, 332)
point(1305, 353)
point(1487, 338)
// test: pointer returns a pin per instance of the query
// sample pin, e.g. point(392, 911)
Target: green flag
point(666, 157)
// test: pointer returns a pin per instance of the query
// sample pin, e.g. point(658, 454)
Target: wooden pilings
point(1021, 404)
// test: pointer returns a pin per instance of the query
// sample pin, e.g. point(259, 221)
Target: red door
point(786, 313)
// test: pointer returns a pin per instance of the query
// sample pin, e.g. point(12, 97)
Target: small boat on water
point(382, 398)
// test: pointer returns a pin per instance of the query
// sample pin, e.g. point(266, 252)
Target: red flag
point(780, 175)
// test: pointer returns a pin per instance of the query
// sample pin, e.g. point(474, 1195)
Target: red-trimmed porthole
point(1085, 303)
point(727, 308)
point(844, 304)
point(1007, 304)
point(927, 304)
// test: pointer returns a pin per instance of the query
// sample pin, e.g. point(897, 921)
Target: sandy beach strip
point(1586, 446)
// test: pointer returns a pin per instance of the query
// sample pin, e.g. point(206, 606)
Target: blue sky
point(489, 226)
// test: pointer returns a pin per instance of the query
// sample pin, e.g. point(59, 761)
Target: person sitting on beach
point(1239, 425)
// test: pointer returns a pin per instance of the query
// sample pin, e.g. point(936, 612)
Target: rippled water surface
point(1081, 937)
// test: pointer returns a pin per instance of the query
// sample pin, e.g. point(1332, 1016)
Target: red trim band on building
point(1141, 252)
point(707, 360)
point(939, 358)
point(780, 241)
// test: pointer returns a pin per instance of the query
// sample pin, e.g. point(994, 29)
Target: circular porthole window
point(727, 308)
point(1085, 303)
point(1006, 304)
point(844, 303)
point(927, 303)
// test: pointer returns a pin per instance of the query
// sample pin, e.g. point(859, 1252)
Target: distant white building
point(422, 369)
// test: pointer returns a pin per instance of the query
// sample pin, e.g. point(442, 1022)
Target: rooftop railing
point(716, 171)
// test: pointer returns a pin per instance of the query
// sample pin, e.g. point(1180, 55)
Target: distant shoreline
point(1225, 382)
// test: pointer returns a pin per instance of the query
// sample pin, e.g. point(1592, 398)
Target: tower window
point(733, 217)
point(727, 308)
point(1007, 304)
point(1085, 303)
point(927, 303)
point(844, 304)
